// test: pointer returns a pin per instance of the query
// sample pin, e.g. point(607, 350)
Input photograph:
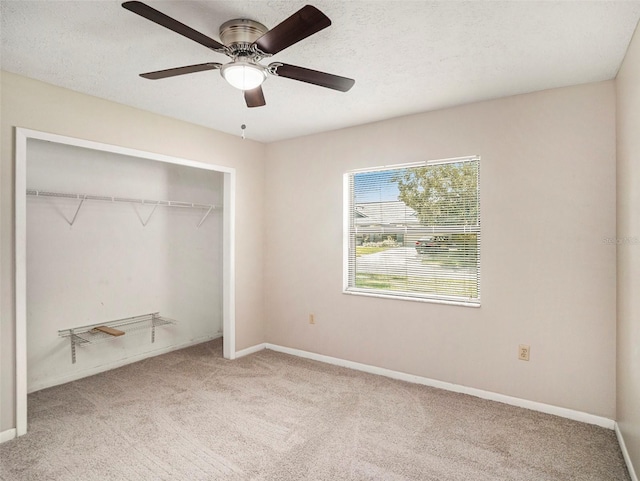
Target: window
point(413, 231)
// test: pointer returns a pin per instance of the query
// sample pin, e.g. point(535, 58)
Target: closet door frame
point(22, 136)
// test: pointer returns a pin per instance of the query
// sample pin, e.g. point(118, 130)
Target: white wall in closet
point(108, 266)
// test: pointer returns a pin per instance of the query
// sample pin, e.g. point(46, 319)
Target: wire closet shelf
point(90, 334)
point(153, 203)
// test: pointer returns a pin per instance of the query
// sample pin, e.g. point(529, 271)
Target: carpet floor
point(192, 415)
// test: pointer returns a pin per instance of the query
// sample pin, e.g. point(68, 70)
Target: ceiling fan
point(247, 42)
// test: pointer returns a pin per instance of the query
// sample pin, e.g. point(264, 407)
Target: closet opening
point(121, 255)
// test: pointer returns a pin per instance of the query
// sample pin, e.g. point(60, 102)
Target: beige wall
point(628, 124)
point(548, 179)
point(35, 105)
point(548, 199)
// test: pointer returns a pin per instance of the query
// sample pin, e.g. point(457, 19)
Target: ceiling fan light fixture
point(244, 75)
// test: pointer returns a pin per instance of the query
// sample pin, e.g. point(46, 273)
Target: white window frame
point(347, 208)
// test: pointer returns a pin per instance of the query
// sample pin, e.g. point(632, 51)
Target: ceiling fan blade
point(254, 97)
point(172, 72)
point(161, 19)
point(314, 77)
point(302, 24)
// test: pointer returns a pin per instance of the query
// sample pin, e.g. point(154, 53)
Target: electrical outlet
point(312, 319)
point(523, 352)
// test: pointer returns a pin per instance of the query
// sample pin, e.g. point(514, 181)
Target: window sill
point(382, 295)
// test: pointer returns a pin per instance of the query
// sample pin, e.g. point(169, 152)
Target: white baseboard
point(625, 454)
point(513, 401)
point(7, 435)
point(113, 365)
point(251, 350)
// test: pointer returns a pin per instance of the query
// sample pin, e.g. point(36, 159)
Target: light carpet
point(192, 415)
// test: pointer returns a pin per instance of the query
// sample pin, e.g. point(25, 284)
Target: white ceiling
point(406, 56)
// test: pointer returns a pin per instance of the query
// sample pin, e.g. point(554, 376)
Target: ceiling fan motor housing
point(239, 34)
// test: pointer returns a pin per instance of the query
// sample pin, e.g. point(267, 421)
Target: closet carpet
point(191, 415)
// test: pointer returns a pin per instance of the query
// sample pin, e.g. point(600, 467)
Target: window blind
point(413, 231)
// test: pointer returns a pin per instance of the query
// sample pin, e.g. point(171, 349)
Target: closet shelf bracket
point(205, 216)
point(77, 210)
point(145, 222)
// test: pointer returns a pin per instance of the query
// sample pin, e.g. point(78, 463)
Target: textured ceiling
point(406, 56)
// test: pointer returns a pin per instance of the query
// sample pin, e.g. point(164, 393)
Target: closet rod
point(154, 203)
point(165, 203)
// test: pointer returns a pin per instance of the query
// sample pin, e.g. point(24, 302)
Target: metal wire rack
point(153, 203)
point(89, 334)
